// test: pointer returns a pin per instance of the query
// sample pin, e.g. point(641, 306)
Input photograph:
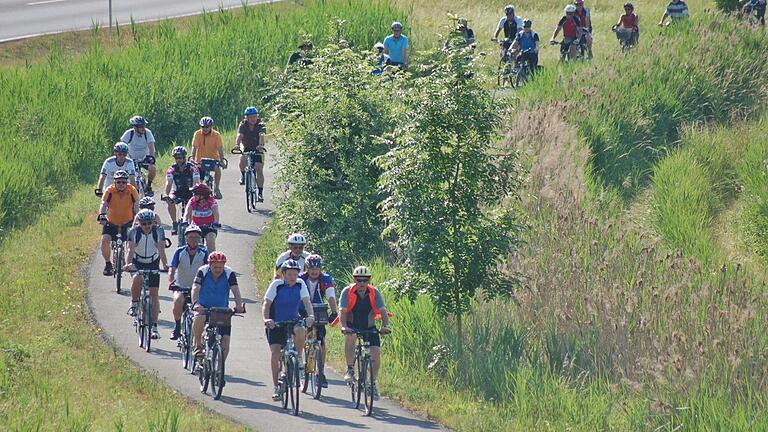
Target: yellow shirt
point(207, 146)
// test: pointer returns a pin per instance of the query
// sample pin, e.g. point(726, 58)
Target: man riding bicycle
point(185, 263)
point(527, 45)
point(211, 288)
point(250, 138)
point(511, 25)
point(141, 148)
point(179, 179)
point(571, 28)
point(676, 10)
point(281, 303)
point(147, 203)
point(585, 20)
point(321, 288)
point(361, 304)
point(296, 243)
point(119, 161)
point(119, 204)
point(207, 144)
point(203, 210)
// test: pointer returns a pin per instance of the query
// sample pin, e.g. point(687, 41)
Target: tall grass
point(61, 118)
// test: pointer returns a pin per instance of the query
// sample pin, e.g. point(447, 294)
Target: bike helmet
point(296, 239)
point(290, 264)
point(379, 46)
point(570, 9)
point(629, 6)
point(508, 9)
point(137, 121)
point(179, 151)
point(120, 174)
point(146, 215)
point(201, 189)
point(215, 256)
point(147, 203)
point(462, 22)
point(578, 2)
point(120, 147)
point(251, 110)
point(397, 26)
point(193, 228)
point(314, 261)
point(206, 122)
point(527, 23)
point(361, 271)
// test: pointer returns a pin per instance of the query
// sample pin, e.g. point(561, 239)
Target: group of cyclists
point(201, 277)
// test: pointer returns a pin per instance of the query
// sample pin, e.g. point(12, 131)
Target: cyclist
point(462, 27)
point(119, 204)
point(184, 265)
point(511, 25)
point(250, 138)
point(296, 243)
point(628, 25)
point(758, 6)
point(396, 46)
point(281, 303)
point(146, 249)
point(527, 45)
point(179, 179)
point(211, 288)
point(304, 54)
point(203, 210)
point(585, 20)
point(571, 28)
point(379, 59)
point(360, 305)
point(207, 143)
point(147, 203)
point(320, 287)
point(141, 147)
point(676, 10)
point(119, 161)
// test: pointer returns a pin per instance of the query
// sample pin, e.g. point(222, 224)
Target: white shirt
point(110, 167)
point(138, 146)
point(146, 249)
point(272, 290)
point(518, 20)
point(287, 254)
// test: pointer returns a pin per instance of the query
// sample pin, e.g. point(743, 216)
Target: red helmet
point(217, 256)
point(201, 189)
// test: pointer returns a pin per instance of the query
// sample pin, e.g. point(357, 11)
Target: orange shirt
point(120, 204)
point(207, 146)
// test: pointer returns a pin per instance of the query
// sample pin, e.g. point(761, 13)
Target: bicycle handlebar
point(174, 287)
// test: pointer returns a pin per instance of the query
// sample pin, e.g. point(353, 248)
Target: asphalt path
point(21, 19)
point(247, 393)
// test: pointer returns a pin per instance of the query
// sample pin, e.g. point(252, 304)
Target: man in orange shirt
point(119, 205)
point(207, 144)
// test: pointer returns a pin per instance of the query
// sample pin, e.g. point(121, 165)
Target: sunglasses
point(146, 223)
point(121, 154)
point(140, 127)
point(179, 157)
point(121, 182)
point(206, 127)
point(297, 246)
point(362, 279)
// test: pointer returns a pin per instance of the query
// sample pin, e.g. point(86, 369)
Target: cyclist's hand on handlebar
point(309, 321)
point(385, 330)
point(269, 323)
point(199, 308)
point(346, 330)
point(129, 267)
point(98, 192)
point(240, 309)
point(552, 42)
point(215, 225)
point(494, 39)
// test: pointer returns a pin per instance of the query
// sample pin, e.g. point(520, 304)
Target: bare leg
point(197, 331)
point(106, 248)
point(275, 361)
point(153, 294)
point(375, 361)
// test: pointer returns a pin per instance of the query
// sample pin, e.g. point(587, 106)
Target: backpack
point(155, 234)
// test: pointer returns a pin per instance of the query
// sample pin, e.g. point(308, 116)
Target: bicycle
point(118, 254)
point(185, 339)
point(313, 353)
point(210, 367)
point(522, 71)
point(208, 168)
point(289, 379)
point(251, 190)
point(506, 64)
point(140, 182)
point(181, 226)
point(627, 37)
point(142, 322)
point(565, 50)
point(362, 383)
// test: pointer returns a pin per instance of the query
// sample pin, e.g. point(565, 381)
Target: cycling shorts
point(373, 338)
point(258, 157)
point(207, 230)
point(154, 278)
point(278, 335)
point(110, 229)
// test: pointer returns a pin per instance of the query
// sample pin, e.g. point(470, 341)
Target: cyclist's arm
point(130, 249)
point(239, 141)
point(195, 292)
point(103, 207)
point(188, 212)
point(168, 184)
point(262, 139)
point(265, 309)
point(537, 42)
point(663, 17)
point(161, 250)
point(171, 273)
point(151, 148)
point(102, 179)
point(496, 35)
point(333, 305)
point(136, 205)
point(194, 148)
point(216, 213)
point(384, 317)
point(557, 32)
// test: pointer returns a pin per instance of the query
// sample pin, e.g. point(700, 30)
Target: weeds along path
point(247, 394)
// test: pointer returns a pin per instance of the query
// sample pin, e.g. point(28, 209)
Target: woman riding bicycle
point(570, 25)
point(179, 180)
point(203, 211)
point(250, 138)
point(527, 45)
point(628, 27)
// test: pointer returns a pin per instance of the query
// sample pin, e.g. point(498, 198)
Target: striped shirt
point(677, 10)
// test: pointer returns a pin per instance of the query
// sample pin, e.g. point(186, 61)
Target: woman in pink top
point(203, 210)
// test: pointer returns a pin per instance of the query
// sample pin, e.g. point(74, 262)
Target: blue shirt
point(677, 10)
point(527, 41)
point(285, 299)
point(214, 293)
point(325, 281)
point(395, 47)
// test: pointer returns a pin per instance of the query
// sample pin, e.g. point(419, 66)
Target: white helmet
point(378, 45)
point(570, 8)
point(361, 271)
point(296, 239)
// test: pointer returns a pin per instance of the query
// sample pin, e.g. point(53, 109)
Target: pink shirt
point(202, 211)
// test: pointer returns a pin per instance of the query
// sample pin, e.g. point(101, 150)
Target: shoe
point(350, 375)
point(276, 393)
point(132, 309)
point(155, 334)
point(260, 198)
point(175, 334)
point(323, 381)
point(375, 390)
point(108, 269)
point(175, 229)
point(242, 179)
point(148, 191)
point(217, 194)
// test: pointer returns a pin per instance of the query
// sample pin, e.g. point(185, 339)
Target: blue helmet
point(314, 261)
point(251, 110)
point(146, 215)
point(137, 121)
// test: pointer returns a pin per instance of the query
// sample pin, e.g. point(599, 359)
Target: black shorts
point(258, 157)
point(154, 278)
point(278, 335)
point(320, 331)
point(373, 338)
point(183, 194)
point(207, 230)
point(110, 229)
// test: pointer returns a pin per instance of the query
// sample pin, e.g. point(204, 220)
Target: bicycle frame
point(118, 253)
point(143, 319)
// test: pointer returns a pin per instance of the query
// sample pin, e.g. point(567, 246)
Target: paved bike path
point(247, 393)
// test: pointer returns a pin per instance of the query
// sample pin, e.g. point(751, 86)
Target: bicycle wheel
point(284, 382)
point(217, 371)
point(204, 373)
point(254, 189)
point(359, 381)
point(147, 306)
point(309, 357)
point(317, 387)
point(186, 340)
point(501, 76)
point(368, 373)
point(118, 269)
point(294, 382)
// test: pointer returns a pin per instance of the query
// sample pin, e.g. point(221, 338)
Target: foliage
point(445, 183)
point(727, 5)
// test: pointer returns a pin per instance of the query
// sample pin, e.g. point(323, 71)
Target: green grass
point(56, 372)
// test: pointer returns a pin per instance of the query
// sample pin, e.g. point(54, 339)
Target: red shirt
point(570, 26)
point(629, 20)
point(582, 16)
